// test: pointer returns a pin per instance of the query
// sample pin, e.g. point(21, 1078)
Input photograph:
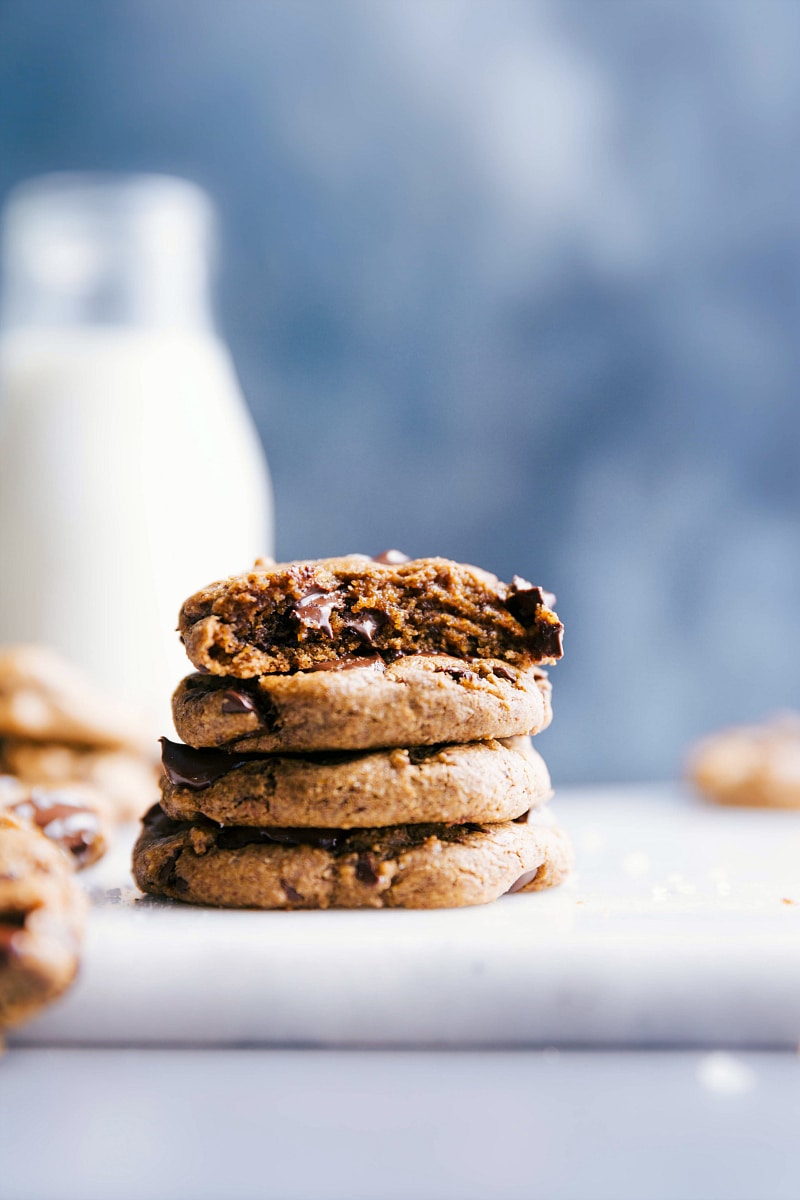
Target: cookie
point(127, 781)
point(292, 616)
point(757, 765)
point(361, 703)
point(403, 866)
point(42, 912)
point(43, 698)
point(480, 781)
point(74, 816)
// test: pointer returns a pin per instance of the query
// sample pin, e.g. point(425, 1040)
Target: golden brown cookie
point(757, 765)
point(403, 866)
point(127, 781)
point(292, 616)
point(43, 698)
point(74, 816)
point(42, 911)
point(479, 781)
point(360, 703)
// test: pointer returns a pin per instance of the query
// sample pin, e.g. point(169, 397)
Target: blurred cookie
point(74, 816)
point(44, 698)
point(42, 911)
point(404, 866)
point(128, 781)
point(756, 765)
point(292, 616)
point(358, 703)
point(480, 781)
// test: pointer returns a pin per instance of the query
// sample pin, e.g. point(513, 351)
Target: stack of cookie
point(357, 734)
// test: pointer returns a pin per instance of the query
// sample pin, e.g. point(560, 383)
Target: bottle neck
point(118, 252)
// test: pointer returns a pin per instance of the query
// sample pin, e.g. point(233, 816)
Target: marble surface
point(680, 926)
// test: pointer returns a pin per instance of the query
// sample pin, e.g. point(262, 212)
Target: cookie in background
point(751, 765)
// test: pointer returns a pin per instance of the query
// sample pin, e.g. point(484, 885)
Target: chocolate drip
point(73, 824)
point(391, 558)
point(520, 883)
point(236, 701)
point(349, 661)
point(313, 610)
point(197, 769)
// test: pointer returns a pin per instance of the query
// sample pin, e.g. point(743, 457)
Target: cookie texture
point(45, 699)
point(127, 781)
point(756, 765)
point(406, 866)
point(479, 781)
point(73, 816)
point(42, 912)
point(292, 616)
point(360, 703)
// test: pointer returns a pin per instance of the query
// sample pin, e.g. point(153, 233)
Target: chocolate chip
point(291, 894)
point(197, 769)
point(391, 558)
point(522, 819)
point(504, 673)
point(456, 673)
point(365, 869)
point(178, 884)
point(236, 701)
point(523, 880)
point(72, 823)
point(366, 623)
point(235, 837)
point(419, 754)
point(313, 610)
point(524, 599)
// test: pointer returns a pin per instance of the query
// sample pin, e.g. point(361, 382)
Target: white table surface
point(674, 930)
point(680, 926)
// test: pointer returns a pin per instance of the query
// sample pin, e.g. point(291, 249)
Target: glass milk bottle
point(130, 470)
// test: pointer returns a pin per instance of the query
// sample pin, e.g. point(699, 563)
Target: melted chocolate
point(520, 883)
point(504, 673)
point(456, 673)
point(366, 623)
point(235, 700)
point(74, 824)
point(348, 661)
point(391, 558)
point(419, 754)
point(237, 836)
point(314, 610)
point(197, 769)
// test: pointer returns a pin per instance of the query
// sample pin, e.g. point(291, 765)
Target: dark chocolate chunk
point(71, 823)
point(348, 661)
point(520, 883)
point(504, 673)
point(313, 610)
point(525, 598)
point(419, 754)
point(235, 700)
point(365, 869)
point(291, 893)
point(197, 768)
point(391, 558)
point(522, 819)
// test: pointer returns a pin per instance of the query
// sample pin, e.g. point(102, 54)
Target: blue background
point(514, 283)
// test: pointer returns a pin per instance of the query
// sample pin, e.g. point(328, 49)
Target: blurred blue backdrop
point(512, 282)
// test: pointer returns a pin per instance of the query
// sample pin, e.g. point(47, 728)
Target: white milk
point(130, 476)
